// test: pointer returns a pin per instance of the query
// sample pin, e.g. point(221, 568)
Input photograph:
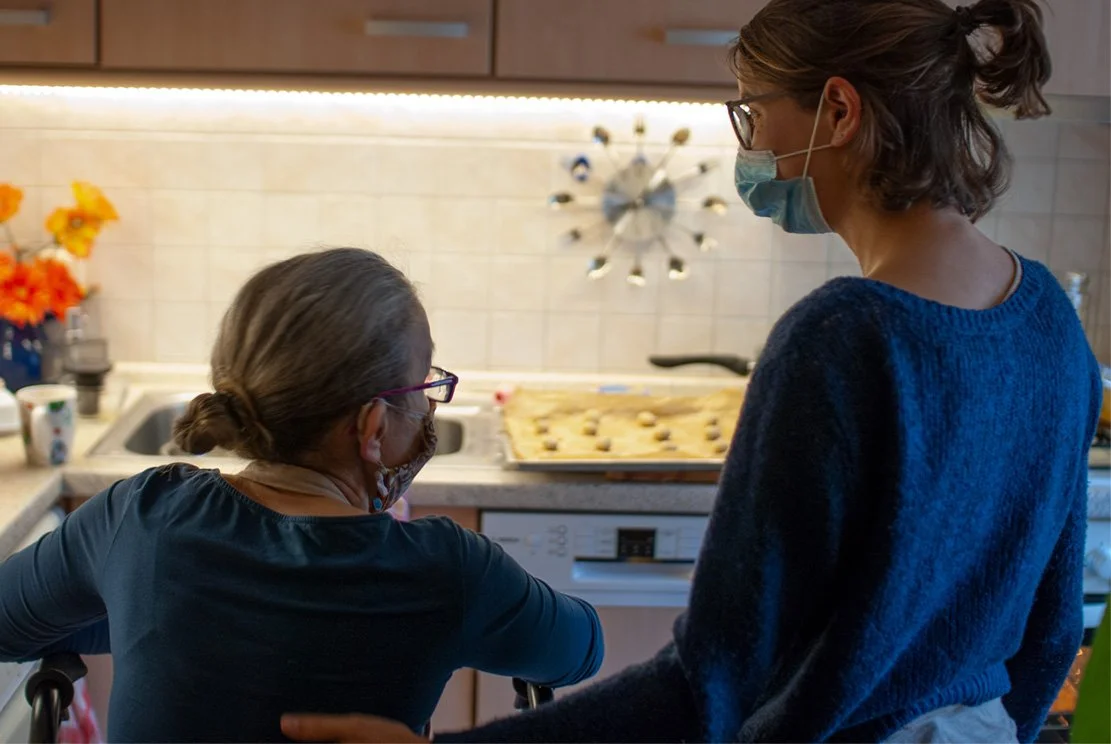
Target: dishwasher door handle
point(670, 574)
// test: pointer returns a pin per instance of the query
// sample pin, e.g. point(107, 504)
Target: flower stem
point(40, 247)
point(11, 240)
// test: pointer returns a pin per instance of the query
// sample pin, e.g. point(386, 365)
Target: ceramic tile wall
point(212, 186)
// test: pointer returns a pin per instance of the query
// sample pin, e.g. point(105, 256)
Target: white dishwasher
point(634, 568)
point(15, 713)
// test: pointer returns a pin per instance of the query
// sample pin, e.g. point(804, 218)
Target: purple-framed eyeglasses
point(440, 385)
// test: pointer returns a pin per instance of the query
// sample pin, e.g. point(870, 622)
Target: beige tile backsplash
point(212, 186)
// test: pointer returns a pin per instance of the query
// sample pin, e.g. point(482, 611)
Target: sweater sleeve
point(1054, 627)
point(516, 625)
point(766, 575)
point(49, 592)
point(647, 702)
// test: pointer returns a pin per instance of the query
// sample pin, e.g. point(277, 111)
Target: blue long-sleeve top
point(899, 527)
point(221, 614)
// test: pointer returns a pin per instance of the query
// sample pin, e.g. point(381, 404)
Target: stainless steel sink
point(146, 430)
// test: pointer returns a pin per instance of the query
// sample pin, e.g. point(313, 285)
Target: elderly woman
point(896, 548)
point(227, 599)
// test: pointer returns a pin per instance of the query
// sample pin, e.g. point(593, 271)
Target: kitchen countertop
point(26, 493)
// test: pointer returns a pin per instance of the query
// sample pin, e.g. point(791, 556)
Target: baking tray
point(602, 465)
point(633, 456)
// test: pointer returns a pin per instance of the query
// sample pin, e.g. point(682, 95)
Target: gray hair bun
point(224, 419)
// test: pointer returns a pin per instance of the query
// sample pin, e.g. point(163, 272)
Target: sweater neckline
point(319, 519)
point(1012, 311)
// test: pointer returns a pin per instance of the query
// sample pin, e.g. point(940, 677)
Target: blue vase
point(20, 355)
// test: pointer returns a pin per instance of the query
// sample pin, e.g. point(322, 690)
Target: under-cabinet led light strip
point(537, 103)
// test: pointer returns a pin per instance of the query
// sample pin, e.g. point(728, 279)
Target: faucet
point(76, 319)
point(85, 361)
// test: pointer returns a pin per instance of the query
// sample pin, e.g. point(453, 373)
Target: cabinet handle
point(420, 29)
point(24, 17)
point(699, 37)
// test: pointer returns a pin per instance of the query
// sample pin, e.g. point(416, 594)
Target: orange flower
point(74, 229)
point(10, 199)
point(63, 290)
point(91, 201)
point(24, 298)
point(6, 264)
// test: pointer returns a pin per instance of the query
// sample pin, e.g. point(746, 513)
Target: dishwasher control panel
point(608, 559)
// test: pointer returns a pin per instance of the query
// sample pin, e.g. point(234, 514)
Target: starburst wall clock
point(640, 205)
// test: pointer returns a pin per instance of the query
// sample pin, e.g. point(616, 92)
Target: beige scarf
point(295, 479)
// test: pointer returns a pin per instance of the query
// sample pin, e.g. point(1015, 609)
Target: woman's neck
point(301, 490)
point(937, 254)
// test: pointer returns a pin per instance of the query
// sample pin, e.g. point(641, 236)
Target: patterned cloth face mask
point(392, 483)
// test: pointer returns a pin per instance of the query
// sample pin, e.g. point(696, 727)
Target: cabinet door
point(60, 32)
point(1079, 36)
point(434, 37)
point(635, 41)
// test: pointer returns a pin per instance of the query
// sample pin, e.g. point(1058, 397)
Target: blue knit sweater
point(899, 527)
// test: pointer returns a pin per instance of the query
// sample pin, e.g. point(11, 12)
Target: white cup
point(47, 414)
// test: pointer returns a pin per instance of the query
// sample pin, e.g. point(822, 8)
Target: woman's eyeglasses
point(440, 385)
point(740, 116)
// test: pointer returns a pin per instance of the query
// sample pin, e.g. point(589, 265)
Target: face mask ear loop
point(813, 134)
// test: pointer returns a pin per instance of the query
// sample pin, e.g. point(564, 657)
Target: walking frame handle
point(49, 691)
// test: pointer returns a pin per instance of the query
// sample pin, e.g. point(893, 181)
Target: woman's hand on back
point(351, 728)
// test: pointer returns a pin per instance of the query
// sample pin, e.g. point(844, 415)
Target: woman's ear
point(842, 101)
point(371, 431)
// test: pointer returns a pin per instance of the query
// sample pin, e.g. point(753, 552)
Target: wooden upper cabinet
point(634, 41)
point(1078, 33)
point(60, 32)
point(428, 37)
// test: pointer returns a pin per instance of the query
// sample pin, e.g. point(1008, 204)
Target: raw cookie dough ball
point(590, 428)
point(713, 433)
point(541, 426)
point(662, 434)
point(603, 444)
point(551, 444)
point(711, 419)
point(721, 447)
point(594, 415)
point(646, 418)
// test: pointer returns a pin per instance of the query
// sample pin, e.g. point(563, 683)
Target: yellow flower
point(10, 199)
point(74, 229)
point(91, 201)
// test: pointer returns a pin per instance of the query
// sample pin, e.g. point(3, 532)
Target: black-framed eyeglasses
point(440, 385)
point(740, 116)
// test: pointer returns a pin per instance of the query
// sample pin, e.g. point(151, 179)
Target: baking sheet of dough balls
point(636, 427)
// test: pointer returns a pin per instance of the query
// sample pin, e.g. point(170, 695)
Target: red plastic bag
point(82, 726)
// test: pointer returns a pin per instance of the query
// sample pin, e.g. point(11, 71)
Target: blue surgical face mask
point(792, 203)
